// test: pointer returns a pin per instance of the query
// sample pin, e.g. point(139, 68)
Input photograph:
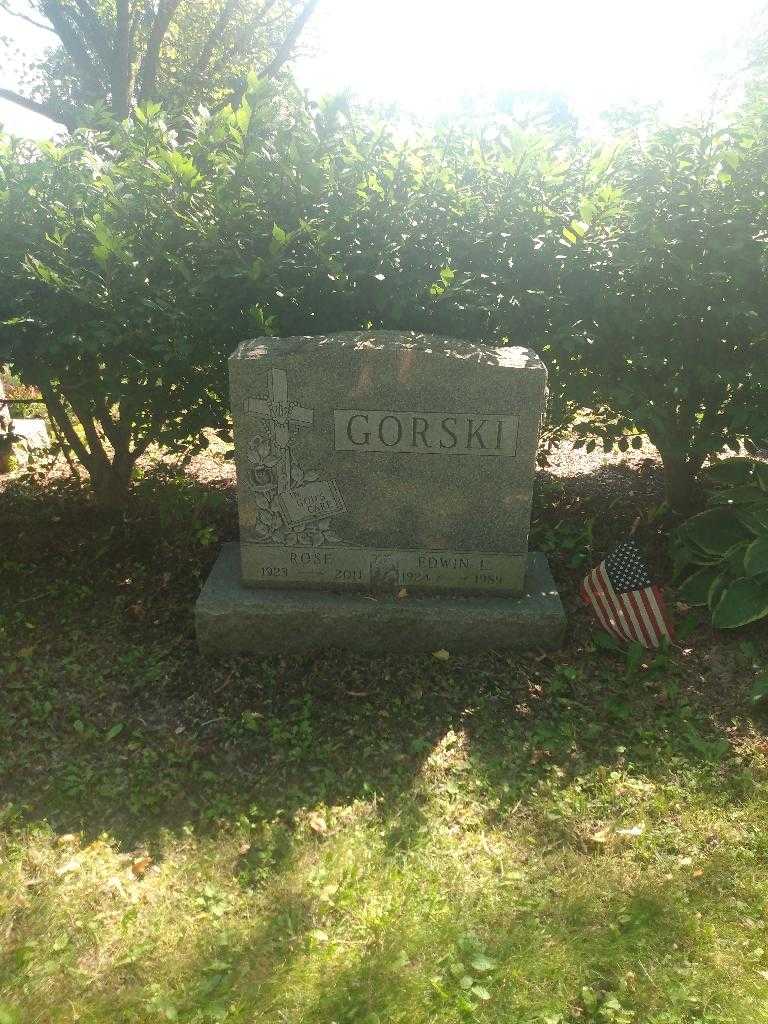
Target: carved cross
point(281, 415)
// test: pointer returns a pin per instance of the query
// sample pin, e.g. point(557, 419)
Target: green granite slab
point(231, 618)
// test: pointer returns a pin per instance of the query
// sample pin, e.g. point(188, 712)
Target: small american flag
point(627, 604)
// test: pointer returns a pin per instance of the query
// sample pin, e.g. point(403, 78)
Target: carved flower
point(261, 476)
point(257, 449)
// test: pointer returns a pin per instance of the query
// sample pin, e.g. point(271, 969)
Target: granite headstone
point(385, 467)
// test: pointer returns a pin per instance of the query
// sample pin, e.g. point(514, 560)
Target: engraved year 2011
point(349, 574)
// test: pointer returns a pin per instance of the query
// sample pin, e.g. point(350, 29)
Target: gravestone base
point(233, 619)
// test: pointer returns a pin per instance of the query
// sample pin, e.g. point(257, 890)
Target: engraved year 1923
point(274, 570)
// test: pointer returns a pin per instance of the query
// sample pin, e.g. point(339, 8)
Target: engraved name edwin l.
point(425, 433)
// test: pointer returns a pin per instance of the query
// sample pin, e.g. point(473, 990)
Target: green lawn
point(558, 838)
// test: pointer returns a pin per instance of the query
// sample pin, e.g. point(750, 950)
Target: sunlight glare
point(429, 56)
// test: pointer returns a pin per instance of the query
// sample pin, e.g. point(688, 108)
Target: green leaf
point(745, 494)
point(730, 472)
point(759, 688)
point(761, 472)
point(756, 557)
point(695, 590)
point(715, 530)
point(607, 642)
point(481, 992)
point(716, 591)
point(635, 655)
point(734, 559)
point(482, 963)
point(745, 600)
point(687, 626)
point(754, 517)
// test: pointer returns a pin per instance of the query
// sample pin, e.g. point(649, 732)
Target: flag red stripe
point(648, 635)
point(657, 596)
point(638, 626)
point(618, 612)
point(591, 599)
point(655, 618)
point(614, 613)
point(594, 591)
point(655, 602)
point(604, 603)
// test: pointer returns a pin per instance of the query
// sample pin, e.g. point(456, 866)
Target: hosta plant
point(723, 552)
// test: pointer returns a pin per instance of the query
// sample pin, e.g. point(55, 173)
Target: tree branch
point(59, 415)
point(25, 17)
point(94, 31)
point(286, 47)
point(214, 35)
point(121, 62)
point(149, 66)
point(57, 13)
point(46, 109)
point(282, 53)
point(87, 420)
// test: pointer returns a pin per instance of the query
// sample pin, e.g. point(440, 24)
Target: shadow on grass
point(271, 771)
point(113, 722)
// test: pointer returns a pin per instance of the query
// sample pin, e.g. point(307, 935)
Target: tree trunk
point(112, 484)
point(681, 483)
point(5, 409)
point(109, 470)
point(165, 12)
point(121, 62)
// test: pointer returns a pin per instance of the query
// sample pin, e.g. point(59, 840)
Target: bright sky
point(428, 55)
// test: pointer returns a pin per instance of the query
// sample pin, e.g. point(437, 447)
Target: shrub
point(669, 304)
point(727, 545)
point(456, 233)
point(134, 259)
point(128, 267)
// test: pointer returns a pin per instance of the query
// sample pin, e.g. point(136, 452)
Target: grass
point(575, 838)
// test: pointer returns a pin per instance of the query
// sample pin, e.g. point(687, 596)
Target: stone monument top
point(374, 461)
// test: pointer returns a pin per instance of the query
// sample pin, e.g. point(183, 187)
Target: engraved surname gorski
point(424, 433)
